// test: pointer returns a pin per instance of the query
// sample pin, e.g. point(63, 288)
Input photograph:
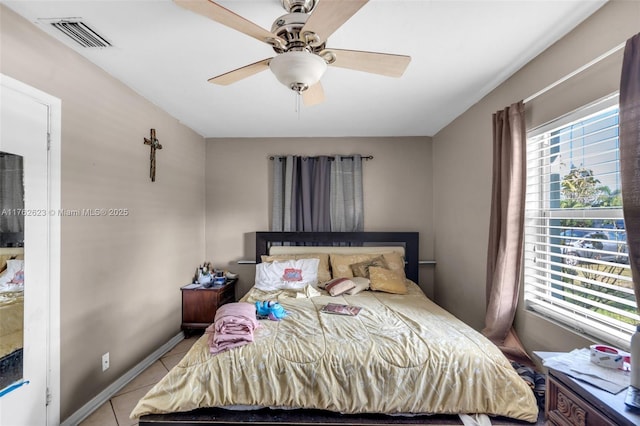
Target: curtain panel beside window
point(630, 153)
point(506, 230)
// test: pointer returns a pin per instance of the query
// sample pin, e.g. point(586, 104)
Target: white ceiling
point(460, 51)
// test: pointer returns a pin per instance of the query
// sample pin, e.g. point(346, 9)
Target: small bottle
point(635, 359)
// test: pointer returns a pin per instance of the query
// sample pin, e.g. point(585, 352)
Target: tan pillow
point(337, 286)
point(386, 280)
point(361, 284)
point(395, 262)
point(341, 263)
point(362, 269)
point(324, 274)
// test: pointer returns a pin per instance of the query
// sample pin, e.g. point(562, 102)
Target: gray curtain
point(282, 184)
point(310, 194)
point(278, 194)
point(630, 153)
point(506, 229)
point(11, 192)
point(347, 204)
point(321, 178)
point(301, 194)
point(288, 188)
point(317, 194)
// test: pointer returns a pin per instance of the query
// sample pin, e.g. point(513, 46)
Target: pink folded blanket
point(232, 327)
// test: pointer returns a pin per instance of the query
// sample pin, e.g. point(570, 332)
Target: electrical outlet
point(105, 361)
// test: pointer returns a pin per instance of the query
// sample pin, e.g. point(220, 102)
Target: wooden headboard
point(408, 240)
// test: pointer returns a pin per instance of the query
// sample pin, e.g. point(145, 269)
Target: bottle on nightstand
point(633, 393)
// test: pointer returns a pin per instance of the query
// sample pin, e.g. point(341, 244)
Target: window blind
point(576, 260)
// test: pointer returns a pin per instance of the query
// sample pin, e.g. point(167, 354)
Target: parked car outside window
point(608, 246)
point(570, 235)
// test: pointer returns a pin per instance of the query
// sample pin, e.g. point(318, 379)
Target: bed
point(402, 359)
point(11, 319)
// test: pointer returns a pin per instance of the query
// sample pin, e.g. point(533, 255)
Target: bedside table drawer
point(228, 294)
point(230, 297)
point(199, 305)
point(565, 408)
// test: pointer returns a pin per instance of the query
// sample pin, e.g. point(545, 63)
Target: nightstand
point(573, 402)
point(199, 304)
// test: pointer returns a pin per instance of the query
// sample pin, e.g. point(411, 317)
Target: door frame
point(54, 106)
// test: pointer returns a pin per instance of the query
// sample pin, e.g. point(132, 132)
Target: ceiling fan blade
point(373, 62)
point(240, 73)
point(314, 95)
point(230, 19)
point(329, 15)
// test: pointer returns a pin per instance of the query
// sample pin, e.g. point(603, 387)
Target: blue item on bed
point(271, 310)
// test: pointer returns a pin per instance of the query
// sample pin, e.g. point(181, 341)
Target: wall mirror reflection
point(11, 269)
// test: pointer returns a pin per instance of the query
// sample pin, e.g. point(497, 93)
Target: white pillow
point(13, 266)
point(361, 284)
point(288, 274)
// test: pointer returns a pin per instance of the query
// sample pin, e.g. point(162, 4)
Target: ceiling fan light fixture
point(298, 70)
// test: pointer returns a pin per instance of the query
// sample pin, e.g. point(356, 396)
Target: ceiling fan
point(299, 39)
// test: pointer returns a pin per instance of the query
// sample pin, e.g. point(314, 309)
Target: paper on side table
point(577, 364)
point(192, 286)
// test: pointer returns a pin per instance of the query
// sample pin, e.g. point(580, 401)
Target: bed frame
point(408, 240)
point(266, 416)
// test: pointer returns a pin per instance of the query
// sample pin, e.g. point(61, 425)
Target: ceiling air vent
point(81, 33)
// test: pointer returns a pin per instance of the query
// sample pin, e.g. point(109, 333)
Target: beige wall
point(120, 276)
point(463, 157)
point(397, 192)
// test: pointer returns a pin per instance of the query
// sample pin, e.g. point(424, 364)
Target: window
point(576, 262)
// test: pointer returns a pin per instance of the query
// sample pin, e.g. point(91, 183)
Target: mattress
point(402, 354)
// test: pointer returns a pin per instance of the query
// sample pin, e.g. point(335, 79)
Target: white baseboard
point(104, 396)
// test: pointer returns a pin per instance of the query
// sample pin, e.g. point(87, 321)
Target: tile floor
point(115, 412)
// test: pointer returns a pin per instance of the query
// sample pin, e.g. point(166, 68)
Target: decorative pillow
point(395, 262)
point(338, 286)
point(341, 263)
point(362, 269)
point(361, 284)
point(324, 274)
point(386, 280)
point(288, 274)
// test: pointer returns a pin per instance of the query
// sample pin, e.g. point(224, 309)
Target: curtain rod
point(331, 157)
point(578, 71)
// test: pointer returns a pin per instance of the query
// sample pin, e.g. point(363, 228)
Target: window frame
point(543, 285)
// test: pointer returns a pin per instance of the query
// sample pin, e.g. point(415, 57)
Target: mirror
point(11, 269)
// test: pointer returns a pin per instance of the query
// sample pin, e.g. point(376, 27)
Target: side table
point(572, 402)
point(199, 304)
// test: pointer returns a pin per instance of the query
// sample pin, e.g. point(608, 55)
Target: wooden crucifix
point(155, 144)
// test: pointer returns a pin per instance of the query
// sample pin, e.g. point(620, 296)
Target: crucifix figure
point(153, 142)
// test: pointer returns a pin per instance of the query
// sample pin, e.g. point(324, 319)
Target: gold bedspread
point(401, 354)
point(11, 321)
